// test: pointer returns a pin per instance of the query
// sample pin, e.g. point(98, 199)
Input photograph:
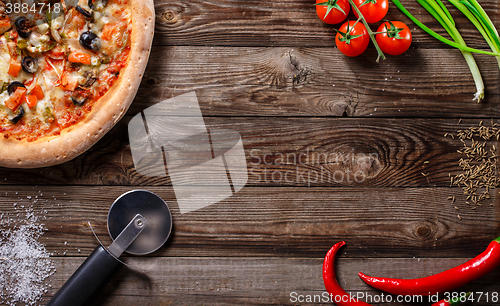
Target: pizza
point(68, 73)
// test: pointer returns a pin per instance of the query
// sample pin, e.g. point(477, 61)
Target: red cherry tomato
point(354, 41)
point(332, 11)
point(395, 38)
point(372, 10)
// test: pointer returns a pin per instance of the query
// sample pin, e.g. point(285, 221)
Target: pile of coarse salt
point(24, 261)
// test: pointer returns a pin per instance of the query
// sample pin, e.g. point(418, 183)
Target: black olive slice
point(78, 101)
point(19, 115)
point(29, 64)
point(83, 11)
point(13, 86)
point(89, 40)
point(22, 27)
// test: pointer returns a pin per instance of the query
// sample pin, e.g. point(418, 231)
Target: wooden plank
point(294, 23)
point(256, 281)
point(291, 152)
point(291, 222)
point(288, 81)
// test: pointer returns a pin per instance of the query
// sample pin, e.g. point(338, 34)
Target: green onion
point(443, 16)
point(4, 87)
point(476, 14)
point(437, 9)
point(398, 4)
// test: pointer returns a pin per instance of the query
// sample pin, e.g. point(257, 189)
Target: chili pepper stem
point(380, 54)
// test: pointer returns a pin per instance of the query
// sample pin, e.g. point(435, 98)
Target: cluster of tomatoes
point(393, 37)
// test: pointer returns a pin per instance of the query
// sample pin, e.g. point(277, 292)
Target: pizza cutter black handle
point(87, 279)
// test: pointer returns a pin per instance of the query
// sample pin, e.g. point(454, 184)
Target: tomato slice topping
point(16, 99)
point(31, 100)
point(14, 67)
point(37, 91)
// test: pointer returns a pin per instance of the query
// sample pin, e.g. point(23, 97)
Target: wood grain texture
point(288, 81)
point(254, 281)
point(288, 222)
point(270, 71)
point(290, 152)
point(292, 23)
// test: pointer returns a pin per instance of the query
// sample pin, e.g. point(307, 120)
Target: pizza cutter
point(139, 222)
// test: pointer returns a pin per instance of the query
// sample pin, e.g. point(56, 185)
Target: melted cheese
point(4, 60)
point(50, 72)
point(43, 28)
point(3, 97)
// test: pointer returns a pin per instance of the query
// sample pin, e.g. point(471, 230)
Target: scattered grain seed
point(479, 165)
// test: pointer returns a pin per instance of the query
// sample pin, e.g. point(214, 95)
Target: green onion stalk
point(476, 14)
point(437, 9)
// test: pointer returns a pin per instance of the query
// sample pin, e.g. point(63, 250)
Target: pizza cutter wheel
point(139, 222)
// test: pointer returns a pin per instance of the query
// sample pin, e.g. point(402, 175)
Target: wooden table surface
point(271, 72)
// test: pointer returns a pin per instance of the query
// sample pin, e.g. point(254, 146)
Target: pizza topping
point(4, 19)
point(37, 91)
point(31, 101)
point(78, 100)
point(56, 53)
point(43, 28)
point(79, 58)
point(11, 88)
point(39, 43)
point(89, 40)
point(84, 12)
point(89, 79)
point(29, 64)
point(4, 23)
point(16, 99)
point(97, 5)
point(18, 116)
point(55, 25)
point(14, 67)
point(22, 27)
point(55, 71)
point(68, 82)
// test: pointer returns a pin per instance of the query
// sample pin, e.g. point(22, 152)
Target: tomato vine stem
point(380, 54)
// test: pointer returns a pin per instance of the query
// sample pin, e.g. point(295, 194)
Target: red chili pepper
point(337, 294)
point(445, 281)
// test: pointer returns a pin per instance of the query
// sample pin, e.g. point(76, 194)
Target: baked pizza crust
point(106, 112)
